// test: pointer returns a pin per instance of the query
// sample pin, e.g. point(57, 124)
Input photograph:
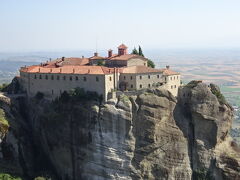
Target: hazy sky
point(36, 25)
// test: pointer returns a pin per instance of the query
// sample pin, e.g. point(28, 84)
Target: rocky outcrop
point(151, 135)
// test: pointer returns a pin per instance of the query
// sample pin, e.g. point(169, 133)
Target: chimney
point(110, 53)
point(168, 67)
point(95, 54)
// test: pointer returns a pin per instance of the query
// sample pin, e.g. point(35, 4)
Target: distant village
point(104, 75)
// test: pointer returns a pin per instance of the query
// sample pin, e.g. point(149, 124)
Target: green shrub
point(8, 177)
point(3, 87)
point(151, 63)
point(202, 174)
point(219, 95)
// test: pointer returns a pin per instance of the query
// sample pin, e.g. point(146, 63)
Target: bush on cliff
point(3, 87)
point(216, 91)
point(79, 94)
point(8, 177)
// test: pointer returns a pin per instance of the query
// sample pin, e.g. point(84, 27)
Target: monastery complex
point(104, 75)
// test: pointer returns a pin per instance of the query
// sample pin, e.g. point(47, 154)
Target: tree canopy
point(140, 53)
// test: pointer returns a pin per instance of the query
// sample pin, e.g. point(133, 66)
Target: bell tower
point(122, 49)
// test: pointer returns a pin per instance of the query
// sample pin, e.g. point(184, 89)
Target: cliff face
point(148, 136)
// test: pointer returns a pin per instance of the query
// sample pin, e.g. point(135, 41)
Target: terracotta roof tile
point(70, 70)
point(139, 69)
point(169, 72)
point(122, 46)
point(67, 62)
point(126, 57)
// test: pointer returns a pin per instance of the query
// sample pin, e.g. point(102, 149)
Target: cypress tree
point(135, 51)
point(140, 53)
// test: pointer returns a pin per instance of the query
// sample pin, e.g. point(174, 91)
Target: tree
point(135, 51)
point(100, 63)
point(151, 63)
point(140, 52)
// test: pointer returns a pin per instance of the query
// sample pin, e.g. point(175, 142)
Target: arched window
point(64, 77)
point(40, 76)
point(110, 78)
point(148, 76)
point(149, 85)
point(35, 76)
point(52, 77)
point(84, 78)
point(140, 86)
point(70, 78)
point(46, 77)
point(76, 78)
point(57, 77)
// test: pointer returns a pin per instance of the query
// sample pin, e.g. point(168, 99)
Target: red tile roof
point(139, 69)
point(69, 70)
point(67, 62)
point(122, 46)
point(97, 57)
point(126, 57)
point(169, 72)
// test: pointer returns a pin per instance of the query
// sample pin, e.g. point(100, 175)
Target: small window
point(140, 86)
point(35, 76)
point(171, 78)
point(165, 78)
point(149, 85)
point(76, 78)
point(57, 77)
point(177, 77)
point(46, 77)
point(131, 86)
point(70, 78)
point(110, 78)
point(174, 78)
point(40, 77)
point(64, 77)
point(131, 77)
point(175, 86)
point(97, 79)
point(84, 79)
point(140, 77)
point(52, 77)
point(171, 87)
point(124, 77)
point(158, 76)
point(148, 76)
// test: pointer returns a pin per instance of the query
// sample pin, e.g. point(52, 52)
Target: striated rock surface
point(148, 136)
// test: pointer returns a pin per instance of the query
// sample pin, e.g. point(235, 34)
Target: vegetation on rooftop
point(140, 53)
point(101, 63)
